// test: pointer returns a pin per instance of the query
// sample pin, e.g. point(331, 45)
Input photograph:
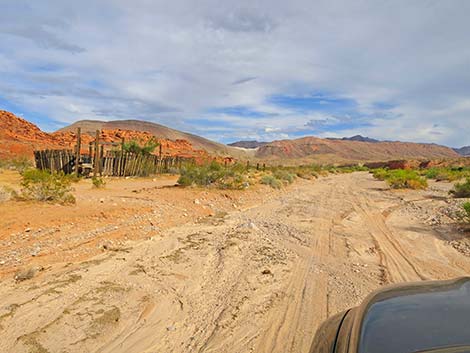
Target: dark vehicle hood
point(421, 317)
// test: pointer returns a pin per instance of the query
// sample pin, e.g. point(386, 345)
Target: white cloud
point(172, 61)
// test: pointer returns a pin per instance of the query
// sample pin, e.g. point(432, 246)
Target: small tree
point(133, 146)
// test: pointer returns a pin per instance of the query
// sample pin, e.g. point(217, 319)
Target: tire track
point(396, 261)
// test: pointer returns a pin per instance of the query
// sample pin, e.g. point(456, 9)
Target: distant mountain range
point(347, 150)
point(20, 137)
point(355, 138)
point(247, 144)
point(463, 151)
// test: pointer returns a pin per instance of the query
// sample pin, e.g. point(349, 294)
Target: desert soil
point(253, 271)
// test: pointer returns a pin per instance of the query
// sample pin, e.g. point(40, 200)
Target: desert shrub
point(284, 175)
point(431, 173)
point(5, 194)
point(461, 190)
point(133, 146)
point(98, 183)
point(406, 179)
point(41, 185)
point(271, 181)
point(447, 174)
point(306, 173)
point(466, 209)
point(401, 178)
point(351, 169)
point(380, 174)
point(213, 175)
point(20, 164)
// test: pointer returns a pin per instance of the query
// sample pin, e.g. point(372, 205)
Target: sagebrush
point(19, 164)
point(42, 185)
point(401, 178)
point(466, 208)
point(214, 175)
point(271, 180)
point(461, 190)
point(98, 182)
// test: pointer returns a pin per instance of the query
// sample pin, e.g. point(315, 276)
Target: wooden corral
point(106, 163)
point(111, 164)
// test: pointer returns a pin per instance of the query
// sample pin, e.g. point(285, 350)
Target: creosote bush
point(446, 173)
point(461, 190)
point(214, 175)
point(284, 175)
point(133, 146)
point(466, 208)
point(19, 164)
point(41, 185)
point(401, 178)
point(271, 180)
point(98, 182)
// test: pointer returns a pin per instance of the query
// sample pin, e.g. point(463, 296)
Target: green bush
point(134, 147)
point(213, 175)
point(447, 173)
point(271, 181)
point(466, 208)
point(284, 175)
point(41, 185)
point(401, 178)
point(431, 173)
point(380, 174)
point(20, 164)
point(406, 179)
point(98, 183)
point(461, 190)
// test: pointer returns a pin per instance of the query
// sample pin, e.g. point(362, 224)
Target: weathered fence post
point(101, 159)
point(79, 148)
point(96, 159)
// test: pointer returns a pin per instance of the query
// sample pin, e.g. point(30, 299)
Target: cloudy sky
point(244, 69)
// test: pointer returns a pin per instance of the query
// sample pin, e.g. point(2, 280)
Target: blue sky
point(265, 70)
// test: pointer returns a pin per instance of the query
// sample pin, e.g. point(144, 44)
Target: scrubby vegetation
point(271, 180)
point(98, 182)
point(19, 164)
point(41, 185)
point(461, 190)
point(284, 175)
point(401, 178)
point(133, 146)
point(466, 208)
point(446, 174)
point(240, 176)
point(380, 174)
point(214, 175)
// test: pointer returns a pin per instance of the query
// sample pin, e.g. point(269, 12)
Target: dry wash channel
point(256, 280)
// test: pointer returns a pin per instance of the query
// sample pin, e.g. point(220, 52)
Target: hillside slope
point(19, 138)
point(247, 144)
point(159, 131)
point(326, 150)
point(463, 151)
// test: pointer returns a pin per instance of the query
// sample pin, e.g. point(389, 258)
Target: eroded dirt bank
point(256, 280)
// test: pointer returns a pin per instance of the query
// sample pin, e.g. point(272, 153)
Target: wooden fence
point(55, 160)
point(112, 163)
point(129, 164)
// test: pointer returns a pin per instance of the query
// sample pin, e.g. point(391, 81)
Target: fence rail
point(113, 163)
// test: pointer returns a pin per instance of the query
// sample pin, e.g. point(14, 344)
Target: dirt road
point(254, 280)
